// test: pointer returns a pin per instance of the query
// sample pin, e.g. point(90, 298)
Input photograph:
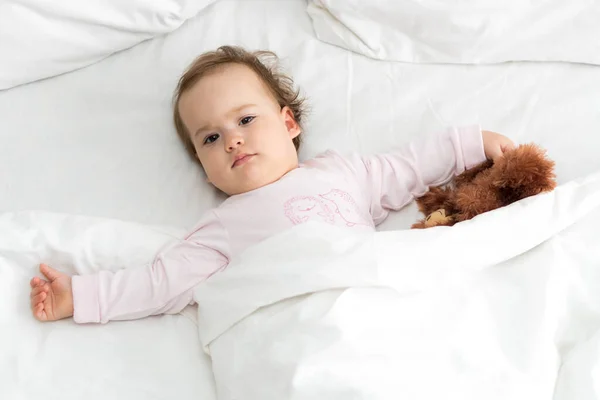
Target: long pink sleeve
point(164, 286)
point(393, 179)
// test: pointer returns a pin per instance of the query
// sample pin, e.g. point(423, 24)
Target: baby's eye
point(246, 120)
point(211, 138)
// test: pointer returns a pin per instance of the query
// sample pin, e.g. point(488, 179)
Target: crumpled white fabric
point(463, 32)
point(41, 39)
point(158, 357)
point(488, 309)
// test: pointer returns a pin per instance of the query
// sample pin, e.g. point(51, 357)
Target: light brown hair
point(280, 85)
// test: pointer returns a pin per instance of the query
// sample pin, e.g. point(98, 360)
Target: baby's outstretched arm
point(396, 177)
point(163, 286)
point(51, 299)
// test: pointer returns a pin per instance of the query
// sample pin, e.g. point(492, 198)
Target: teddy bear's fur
point(522, 172)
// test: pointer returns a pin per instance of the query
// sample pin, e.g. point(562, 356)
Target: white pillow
point(462, 31)
point(42, 38)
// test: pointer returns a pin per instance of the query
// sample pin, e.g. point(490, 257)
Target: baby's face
point(242, 137)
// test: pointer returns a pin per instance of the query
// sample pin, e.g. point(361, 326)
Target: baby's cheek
point(215, 175)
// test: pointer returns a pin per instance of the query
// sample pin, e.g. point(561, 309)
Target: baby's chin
point(250, 177)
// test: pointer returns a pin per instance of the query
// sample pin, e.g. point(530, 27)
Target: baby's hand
point(53, 299)
point(495, 144)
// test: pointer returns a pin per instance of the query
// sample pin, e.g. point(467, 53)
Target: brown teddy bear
point(522, 172)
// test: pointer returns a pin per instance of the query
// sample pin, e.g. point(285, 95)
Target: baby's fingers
point(35, 281)
point(34, 292)
point(508, 147)
point(495, 153)
point(38, 300)
point(39, 313)
point(45, 288)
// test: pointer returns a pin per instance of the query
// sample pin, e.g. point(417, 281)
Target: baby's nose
point(235, 142)
point(233, 145)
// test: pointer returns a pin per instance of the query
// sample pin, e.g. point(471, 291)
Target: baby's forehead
point(237, 80)
point(238, 75)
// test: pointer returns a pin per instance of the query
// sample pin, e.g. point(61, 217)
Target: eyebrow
point(233, 111)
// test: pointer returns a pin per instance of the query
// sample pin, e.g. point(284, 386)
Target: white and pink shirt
point(354, 191)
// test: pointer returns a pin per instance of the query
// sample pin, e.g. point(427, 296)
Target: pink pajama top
point(350, 191)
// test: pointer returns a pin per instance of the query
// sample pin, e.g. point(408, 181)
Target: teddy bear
point(521, 172)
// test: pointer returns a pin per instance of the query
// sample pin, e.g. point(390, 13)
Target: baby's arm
point(163, 287)
point(393, 179)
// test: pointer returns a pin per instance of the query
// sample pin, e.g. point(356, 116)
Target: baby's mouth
point(242, 159)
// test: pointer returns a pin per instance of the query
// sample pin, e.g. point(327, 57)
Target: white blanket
point(505, 306)
point(153, 358)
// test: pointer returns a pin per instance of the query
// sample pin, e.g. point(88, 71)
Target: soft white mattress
point(98, 142)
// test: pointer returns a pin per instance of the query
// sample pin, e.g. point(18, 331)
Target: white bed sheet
point(99, 142)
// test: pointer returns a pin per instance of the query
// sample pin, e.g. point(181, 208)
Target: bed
point(93, 175)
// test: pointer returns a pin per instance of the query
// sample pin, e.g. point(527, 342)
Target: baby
point(242, 120)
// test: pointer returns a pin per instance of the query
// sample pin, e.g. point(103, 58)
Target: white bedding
point(41, 39)
point(98, 142)
point(488, 309)
point(158, 358)
point(463, 32)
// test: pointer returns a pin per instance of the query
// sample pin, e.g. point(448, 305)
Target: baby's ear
point(290, 122)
